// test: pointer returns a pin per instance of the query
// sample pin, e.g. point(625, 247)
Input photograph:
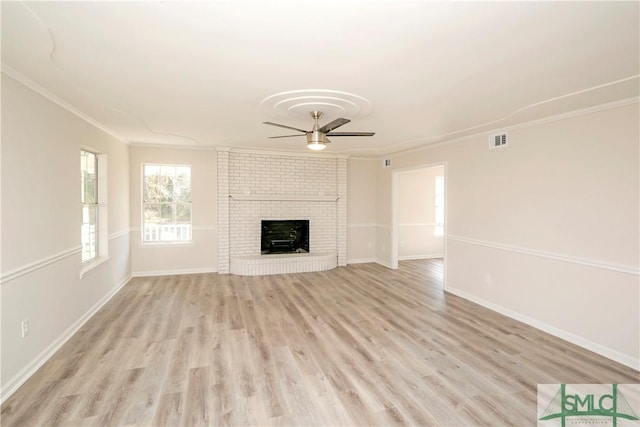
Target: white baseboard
point(150, 273)
point(424, 256)
point(557, 332)
point(25, 373)
point(384, 263)
point(361, 260)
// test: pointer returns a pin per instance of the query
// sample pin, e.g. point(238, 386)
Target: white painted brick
point(266, 174)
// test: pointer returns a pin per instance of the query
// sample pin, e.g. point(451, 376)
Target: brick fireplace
point(256, 185)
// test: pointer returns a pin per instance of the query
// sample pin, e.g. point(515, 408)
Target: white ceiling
point(209, 73)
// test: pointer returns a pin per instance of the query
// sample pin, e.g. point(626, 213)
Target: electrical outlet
point(25, 328)
point(487, 278)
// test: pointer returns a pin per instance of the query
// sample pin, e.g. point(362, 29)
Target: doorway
point(418, 217)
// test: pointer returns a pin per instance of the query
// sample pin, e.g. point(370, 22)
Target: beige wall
point(383, 217)
point(201, 254)
point(416, 214)
point(41, 260)
point(546, 229)
point(361, 210)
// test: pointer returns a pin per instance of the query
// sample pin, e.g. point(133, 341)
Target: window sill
point(93, 264)
point(166, 244)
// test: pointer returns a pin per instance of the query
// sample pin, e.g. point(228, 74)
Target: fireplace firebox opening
point(285, 237)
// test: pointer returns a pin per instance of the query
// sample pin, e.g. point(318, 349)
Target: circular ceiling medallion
point(297, 104)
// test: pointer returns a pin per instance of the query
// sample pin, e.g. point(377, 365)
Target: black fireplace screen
point(283, 237)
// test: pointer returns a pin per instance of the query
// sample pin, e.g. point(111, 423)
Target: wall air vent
point(498, 140)
point(386, 163)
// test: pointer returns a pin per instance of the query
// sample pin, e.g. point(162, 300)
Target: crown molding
point(371, 159)
point(380, 154)
point(523, 125)
point(30, 84)
point(173, 146)
point(443, 137)
point(373, 154)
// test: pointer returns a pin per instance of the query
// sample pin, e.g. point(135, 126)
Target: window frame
point(89, 238)
point(102, 236)
point(144, 203)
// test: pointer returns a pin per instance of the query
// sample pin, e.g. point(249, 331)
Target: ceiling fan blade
point(283, 136)
point(284, 126)
point(351, 133)
point(334, 125)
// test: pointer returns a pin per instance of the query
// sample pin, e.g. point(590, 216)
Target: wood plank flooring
point(358, 345)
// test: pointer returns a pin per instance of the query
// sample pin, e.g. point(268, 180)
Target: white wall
point(546, 229)
point(383, 216)
point(201, 254)
point(416, 214)
point(41, 259)
point(361, 211)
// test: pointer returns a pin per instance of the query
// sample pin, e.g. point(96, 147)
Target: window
point(90, 207)
point(166, 203)
point(439, 202)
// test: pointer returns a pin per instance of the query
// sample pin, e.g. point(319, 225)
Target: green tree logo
point(565, 405)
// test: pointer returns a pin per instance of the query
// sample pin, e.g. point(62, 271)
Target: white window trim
point(90, 265)
point(172, 243)
point(103, 219)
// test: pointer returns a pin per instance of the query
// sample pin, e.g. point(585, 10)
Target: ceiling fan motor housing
point(317, 140)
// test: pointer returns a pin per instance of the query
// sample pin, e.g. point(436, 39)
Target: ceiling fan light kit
point(316, 146)
point(317, 137)
point(317, 140)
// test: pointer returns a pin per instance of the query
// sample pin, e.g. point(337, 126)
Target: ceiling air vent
point(498, 140)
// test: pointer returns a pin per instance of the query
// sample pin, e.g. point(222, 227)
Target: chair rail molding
point(620, 268)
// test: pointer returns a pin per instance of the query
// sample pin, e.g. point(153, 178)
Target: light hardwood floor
point(358, 345)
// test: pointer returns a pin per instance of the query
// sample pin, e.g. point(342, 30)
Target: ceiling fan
point(317, 137)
